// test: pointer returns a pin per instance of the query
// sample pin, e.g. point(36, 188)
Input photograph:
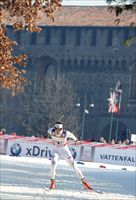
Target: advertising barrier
point(117, 154)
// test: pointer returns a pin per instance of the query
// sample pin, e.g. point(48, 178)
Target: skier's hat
point(58, 125)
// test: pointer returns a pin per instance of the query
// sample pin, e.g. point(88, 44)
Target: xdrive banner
point(35, 149)
point(30, 149)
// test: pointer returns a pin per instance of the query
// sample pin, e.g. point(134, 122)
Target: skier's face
point(58, 131)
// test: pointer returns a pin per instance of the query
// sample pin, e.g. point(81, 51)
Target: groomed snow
point(24, 178)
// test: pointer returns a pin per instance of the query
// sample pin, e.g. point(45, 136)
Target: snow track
point(28, 179)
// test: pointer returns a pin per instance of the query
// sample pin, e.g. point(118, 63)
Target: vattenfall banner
point(115, 156)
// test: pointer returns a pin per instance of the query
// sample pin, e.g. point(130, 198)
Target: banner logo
point(37, 151)
point(15, 149)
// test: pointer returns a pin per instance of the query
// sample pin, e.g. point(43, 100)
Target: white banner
point(85, 153)
point(2, 150)
point(30, 149)
point(35, 149)
point(115, 156)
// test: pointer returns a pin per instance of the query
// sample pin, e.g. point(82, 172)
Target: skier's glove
point(76, 143)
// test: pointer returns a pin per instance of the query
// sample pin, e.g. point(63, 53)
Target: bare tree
point(61, 99)
point(54, 101)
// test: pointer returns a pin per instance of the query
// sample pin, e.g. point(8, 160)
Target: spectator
point(88, 140)
point(119, 142)
point(112, 141)
point(3, 131)
point(105, 141)
point(126, 142)
point(101, 140)
point(13, 133)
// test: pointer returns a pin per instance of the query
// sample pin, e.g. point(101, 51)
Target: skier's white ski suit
point(60, 148)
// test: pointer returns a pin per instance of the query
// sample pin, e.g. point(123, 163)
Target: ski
point(48, 189)
point(93, 190)
point(88, 187)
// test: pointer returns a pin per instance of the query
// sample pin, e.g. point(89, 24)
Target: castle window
point(33, 39)
point(126, 33)
point(75, 62)
point(63, 37)
point(82, 63)
point(133, 83)
point(109, 38)
point(62, 63)
point(103, 63)
point(47, 36)
point(89, 63)
point(110, 65)
point(123, 63)
point(69, 63)
point(96, 62)
point(78, 37)
point(94, 37)
point(116, 63)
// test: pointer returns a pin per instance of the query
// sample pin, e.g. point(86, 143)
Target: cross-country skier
point(59, 138)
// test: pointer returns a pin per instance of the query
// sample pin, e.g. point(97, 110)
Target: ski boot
point(86, 185)
point(52, 184)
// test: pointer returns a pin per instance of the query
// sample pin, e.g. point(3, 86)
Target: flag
point(115, 98)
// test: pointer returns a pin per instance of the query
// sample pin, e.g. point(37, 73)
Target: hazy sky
point(88, 2)
point(84, 2)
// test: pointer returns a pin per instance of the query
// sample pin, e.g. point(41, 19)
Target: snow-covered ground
point(24, 178)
